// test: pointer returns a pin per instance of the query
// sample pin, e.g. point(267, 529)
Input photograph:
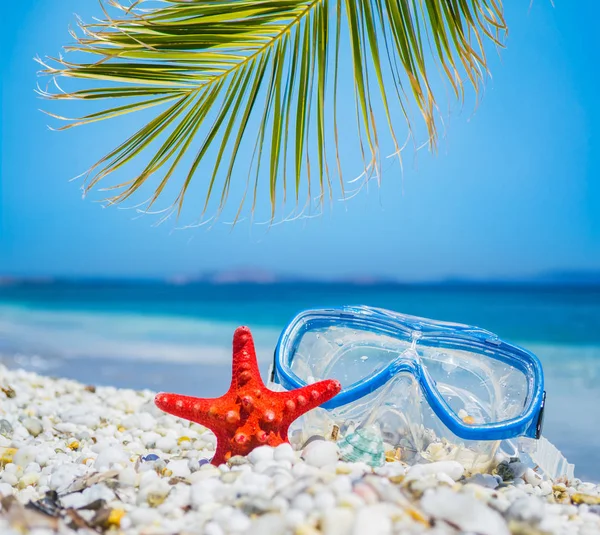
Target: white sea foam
point(71, 334)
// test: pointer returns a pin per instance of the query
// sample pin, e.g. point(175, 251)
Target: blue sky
point(513, 190)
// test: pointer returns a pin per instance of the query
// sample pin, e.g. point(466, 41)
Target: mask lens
point(347, 354)
point(479, 388)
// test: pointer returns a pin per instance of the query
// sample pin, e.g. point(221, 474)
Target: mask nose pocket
point(399, 415)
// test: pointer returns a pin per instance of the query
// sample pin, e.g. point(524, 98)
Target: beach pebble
point(236, 460)
point(30, 478)
point(285, 452)
point(530, 510)
point(303, 502)
point(153, 493)
point(180, 468)
point(373, 520)
point(262, 453)
point(337, 521)
point(63, 476)
point(294, 518)
point(25, 456)
point(511, 470)
point(144, 516)
point(9, 478)
point(532, 477)
point(6, 489)
point(271, 523)
point(465, 512)
point(149, 439)
point(452, 469)
point(136, 470)
point(166, 444)
point(33, 426)
point(128, 477)
point(485, 480)
point(320, 453)
point(110, 456)
point(325, 500)
point(6, 429)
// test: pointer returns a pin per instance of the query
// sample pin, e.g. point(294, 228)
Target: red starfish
point(249, 414)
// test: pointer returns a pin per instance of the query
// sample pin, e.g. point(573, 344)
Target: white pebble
point(11, 468)
point(452, 469)
point(285, 452)
point(546, 488)
point(128, 477)
point(43, 455)
point(110, 456)
point(212, 528)
point(149, 439)
point(532, 477)
point(527, 509)
point(9, 479)
point(320, 453)
point(153, 492)
point(325, 500)
point(373, 520)
point(34, 426)
point(31, 478)
point(25, 456)
point(262, 453)
point(294, 518)
point(143, 516)
point(166, 444)
point(303, 502)
point(63, 476)
point(337, 521)
point(341, 485)
point(463, 511)
point(6, 489)
point(270, 523)
point(442, 477)
point(32, 467)
point(180, 468)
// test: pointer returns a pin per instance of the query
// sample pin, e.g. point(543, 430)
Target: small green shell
point(365, 445)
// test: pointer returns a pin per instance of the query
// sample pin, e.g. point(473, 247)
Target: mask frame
point(439, 334)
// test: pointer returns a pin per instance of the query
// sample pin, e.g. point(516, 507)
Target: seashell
point(9, 392)
point(312, 438)
point(588, 499)
point(365, 444)
point(6, 430)
point(393, 455)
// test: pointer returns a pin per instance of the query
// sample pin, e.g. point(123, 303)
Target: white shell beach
point(80, 459)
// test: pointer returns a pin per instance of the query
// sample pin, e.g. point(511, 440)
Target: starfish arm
point(220, 456)
point(249, 414)
point(190, 408)
point(299, 401)
point(245, 366)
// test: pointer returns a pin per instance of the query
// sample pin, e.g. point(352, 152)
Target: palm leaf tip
point(235, 77)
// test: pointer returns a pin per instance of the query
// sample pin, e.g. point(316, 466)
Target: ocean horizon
point(177, 337)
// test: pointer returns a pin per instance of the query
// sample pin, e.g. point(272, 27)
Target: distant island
point(265, 277)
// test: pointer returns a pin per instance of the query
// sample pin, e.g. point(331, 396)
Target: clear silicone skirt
point(407, 426)
point(428, 390)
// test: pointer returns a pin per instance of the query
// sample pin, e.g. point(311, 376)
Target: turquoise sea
point(177, 338)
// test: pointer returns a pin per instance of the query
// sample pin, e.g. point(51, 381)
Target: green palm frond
point(213, 70)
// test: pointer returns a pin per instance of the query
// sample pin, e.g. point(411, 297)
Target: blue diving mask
point(432, 390)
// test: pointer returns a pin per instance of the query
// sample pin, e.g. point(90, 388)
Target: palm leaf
point(216, 67)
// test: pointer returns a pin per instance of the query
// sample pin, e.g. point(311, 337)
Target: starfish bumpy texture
point(249, 414)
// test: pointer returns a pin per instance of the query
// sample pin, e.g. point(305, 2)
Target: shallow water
point(178, 337)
